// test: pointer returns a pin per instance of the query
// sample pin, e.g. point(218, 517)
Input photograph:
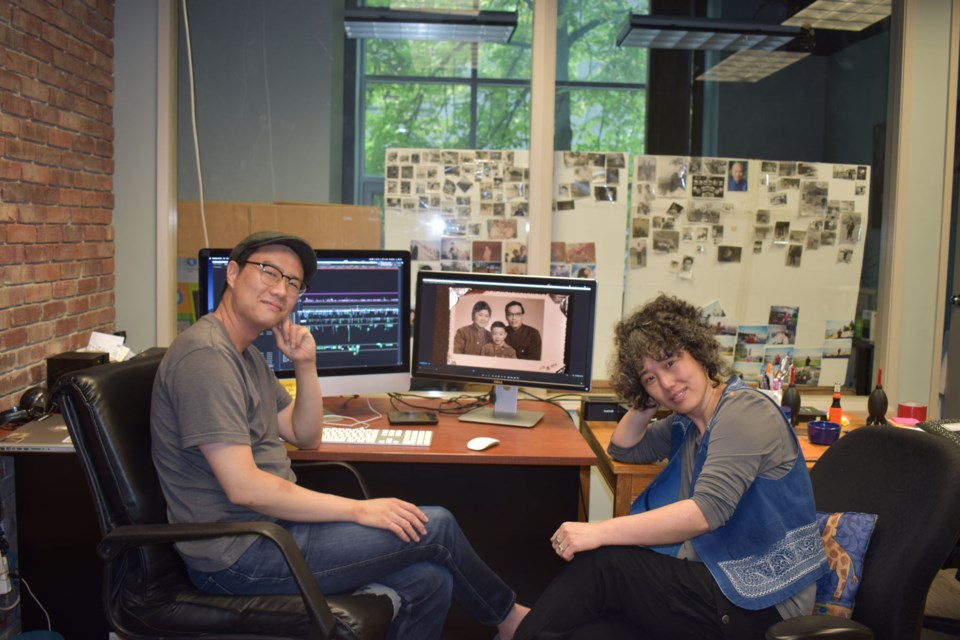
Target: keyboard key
point(357, 435)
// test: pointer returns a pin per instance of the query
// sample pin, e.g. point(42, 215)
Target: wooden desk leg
point(584, 494)
point(621, 495)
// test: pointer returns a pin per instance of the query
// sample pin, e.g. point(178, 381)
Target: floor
point(943, 600)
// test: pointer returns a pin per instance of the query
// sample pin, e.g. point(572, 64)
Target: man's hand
point(402, 518)
point(296, 342)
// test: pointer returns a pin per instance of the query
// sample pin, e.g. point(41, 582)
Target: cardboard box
point(324, 226)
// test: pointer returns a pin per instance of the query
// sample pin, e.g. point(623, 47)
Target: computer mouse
point(481, 443)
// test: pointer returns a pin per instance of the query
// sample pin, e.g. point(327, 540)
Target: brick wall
point(56, 183)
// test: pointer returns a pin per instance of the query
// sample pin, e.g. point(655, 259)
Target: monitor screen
point(357, 308)
point(509, 330)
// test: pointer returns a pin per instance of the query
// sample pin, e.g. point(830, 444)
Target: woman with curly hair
point(469, 339)
point(724, 542)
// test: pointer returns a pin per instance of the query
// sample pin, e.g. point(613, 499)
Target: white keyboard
point(356, 435)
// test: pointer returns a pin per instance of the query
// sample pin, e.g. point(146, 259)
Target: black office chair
point(943, 623)
point(146, 591)
point(911, 480)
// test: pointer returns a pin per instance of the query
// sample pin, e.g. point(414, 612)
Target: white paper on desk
point(112, 345)
point(951, 426)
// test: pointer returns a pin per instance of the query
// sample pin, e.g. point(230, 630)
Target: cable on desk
point(456, 405)
point(35, 599)
point(353, 422)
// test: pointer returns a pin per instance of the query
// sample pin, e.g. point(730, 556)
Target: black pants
point(634, 593)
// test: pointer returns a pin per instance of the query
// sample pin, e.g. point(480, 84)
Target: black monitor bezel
point(505, 282)
point(402, 367)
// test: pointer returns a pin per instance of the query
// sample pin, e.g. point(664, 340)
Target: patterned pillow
point(845, 539)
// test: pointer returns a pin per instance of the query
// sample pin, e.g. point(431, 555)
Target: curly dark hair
point(664, 327)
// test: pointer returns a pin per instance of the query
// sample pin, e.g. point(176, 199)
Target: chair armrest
point(313, 465)
point(818, 626)
point(127, 536)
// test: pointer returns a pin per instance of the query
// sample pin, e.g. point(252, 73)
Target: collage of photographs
point(481, 198)
point(682, 206)
point(750, 350)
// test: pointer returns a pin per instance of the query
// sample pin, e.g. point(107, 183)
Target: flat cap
point(259, 239)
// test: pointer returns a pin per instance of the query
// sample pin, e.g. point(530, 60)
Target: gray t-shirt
point(747, 440)
point(206, 392)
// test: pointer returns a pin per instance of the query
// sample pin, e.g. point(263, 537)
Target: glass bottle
point(791, 398)
point(835, 414)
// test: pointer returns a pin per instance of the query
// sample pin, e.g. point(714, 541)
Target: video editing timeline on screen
point(351, 324)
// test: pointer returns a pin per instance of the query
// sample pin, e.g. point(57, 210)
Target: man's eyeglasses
point(515, 315)
point(271, 275)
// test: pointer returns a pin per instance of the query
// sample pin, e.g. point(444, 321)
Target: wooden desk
point(628, 480)
point(508, 499)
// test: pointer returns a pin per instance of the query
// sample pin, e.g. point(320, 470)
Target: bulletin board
point(772, 250)
point(468, 210)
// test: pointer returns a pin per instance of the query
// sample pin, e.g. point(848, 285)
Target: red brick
point(24, 315)
point(40, 292)
point(10, 170)
point(54, 309)
point(21, 233)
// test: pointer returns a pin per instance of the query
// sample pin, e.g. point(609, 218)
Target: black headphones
point(35, 403)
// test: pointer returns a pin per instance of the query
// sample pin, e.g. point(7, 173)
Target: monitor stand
point(504, 411)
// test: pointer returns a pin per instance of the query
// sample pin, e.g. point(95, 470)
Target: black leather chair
point(911, 480)
point(146, 590)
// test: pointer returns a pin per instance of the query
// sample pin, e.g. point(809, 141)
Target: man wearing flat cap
point(219, 419)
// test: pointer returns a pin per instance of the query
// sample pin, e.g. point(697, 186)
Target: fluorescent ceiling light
point(751, 66)
point(468, 26)
point(841, 15)
point(678, 32)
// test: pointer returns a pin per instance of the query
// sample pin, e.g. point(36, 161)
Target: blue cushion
point(846, 536)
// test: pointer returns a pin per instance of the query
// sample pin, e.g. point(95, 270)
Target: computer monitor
point(357, 308)
point(558, 313)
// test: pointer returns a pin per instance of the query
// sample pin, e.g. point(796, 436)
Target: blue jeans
point(345, 556)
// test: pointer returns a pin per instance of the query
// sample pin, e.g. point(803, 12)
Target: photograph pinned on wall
point(580, 189)
point(706, 212)
point(664, 222)
point(646, 192)
point(566, 205)
point(487, 267)
point(787, 169)
point(775, 356)
point(640, 227)
point(455, 249)
point(574, 159)
point(686, 234)
point(828, 238)
point(675, 209)
point(738, 175)
point(788, 184)
point(674, 266)
point(638, 254)
point(686, 267)
point(762, 233)
point(605, 193)
point(850, 228)
point(701, 233)
point(583, 270)
point(716, 232)
point(786, 316)
point(514, 269)
point(797, 236)
point(558, 252)
point(807, 170)
point(502, 229)
point(844, 172)
point(807, 362)
point(560, 269)
point(779, 334)
point(672, 178)
point(425, 250)
point(581, 252)
point(487, 251)
point(706, 187)
point(776, 199)
point(763, 217)
point(781, 232)
point(713, 309)
point(813, 240)
point(645, 168)
point(455, 265)
point(813, 197)
point(794, 255)
point(665, 241)
point(837, 329)
point(844, 255)
point(757, 247)
point(515, 252)
point(643, 209)
point(837, 348)
point(728, 253)
point(860, 189)
point(519, 208)
point(727, 346)
point(752, 334)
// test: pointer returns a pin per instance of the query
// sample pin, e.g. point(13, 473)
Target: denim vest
point(770, 549)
